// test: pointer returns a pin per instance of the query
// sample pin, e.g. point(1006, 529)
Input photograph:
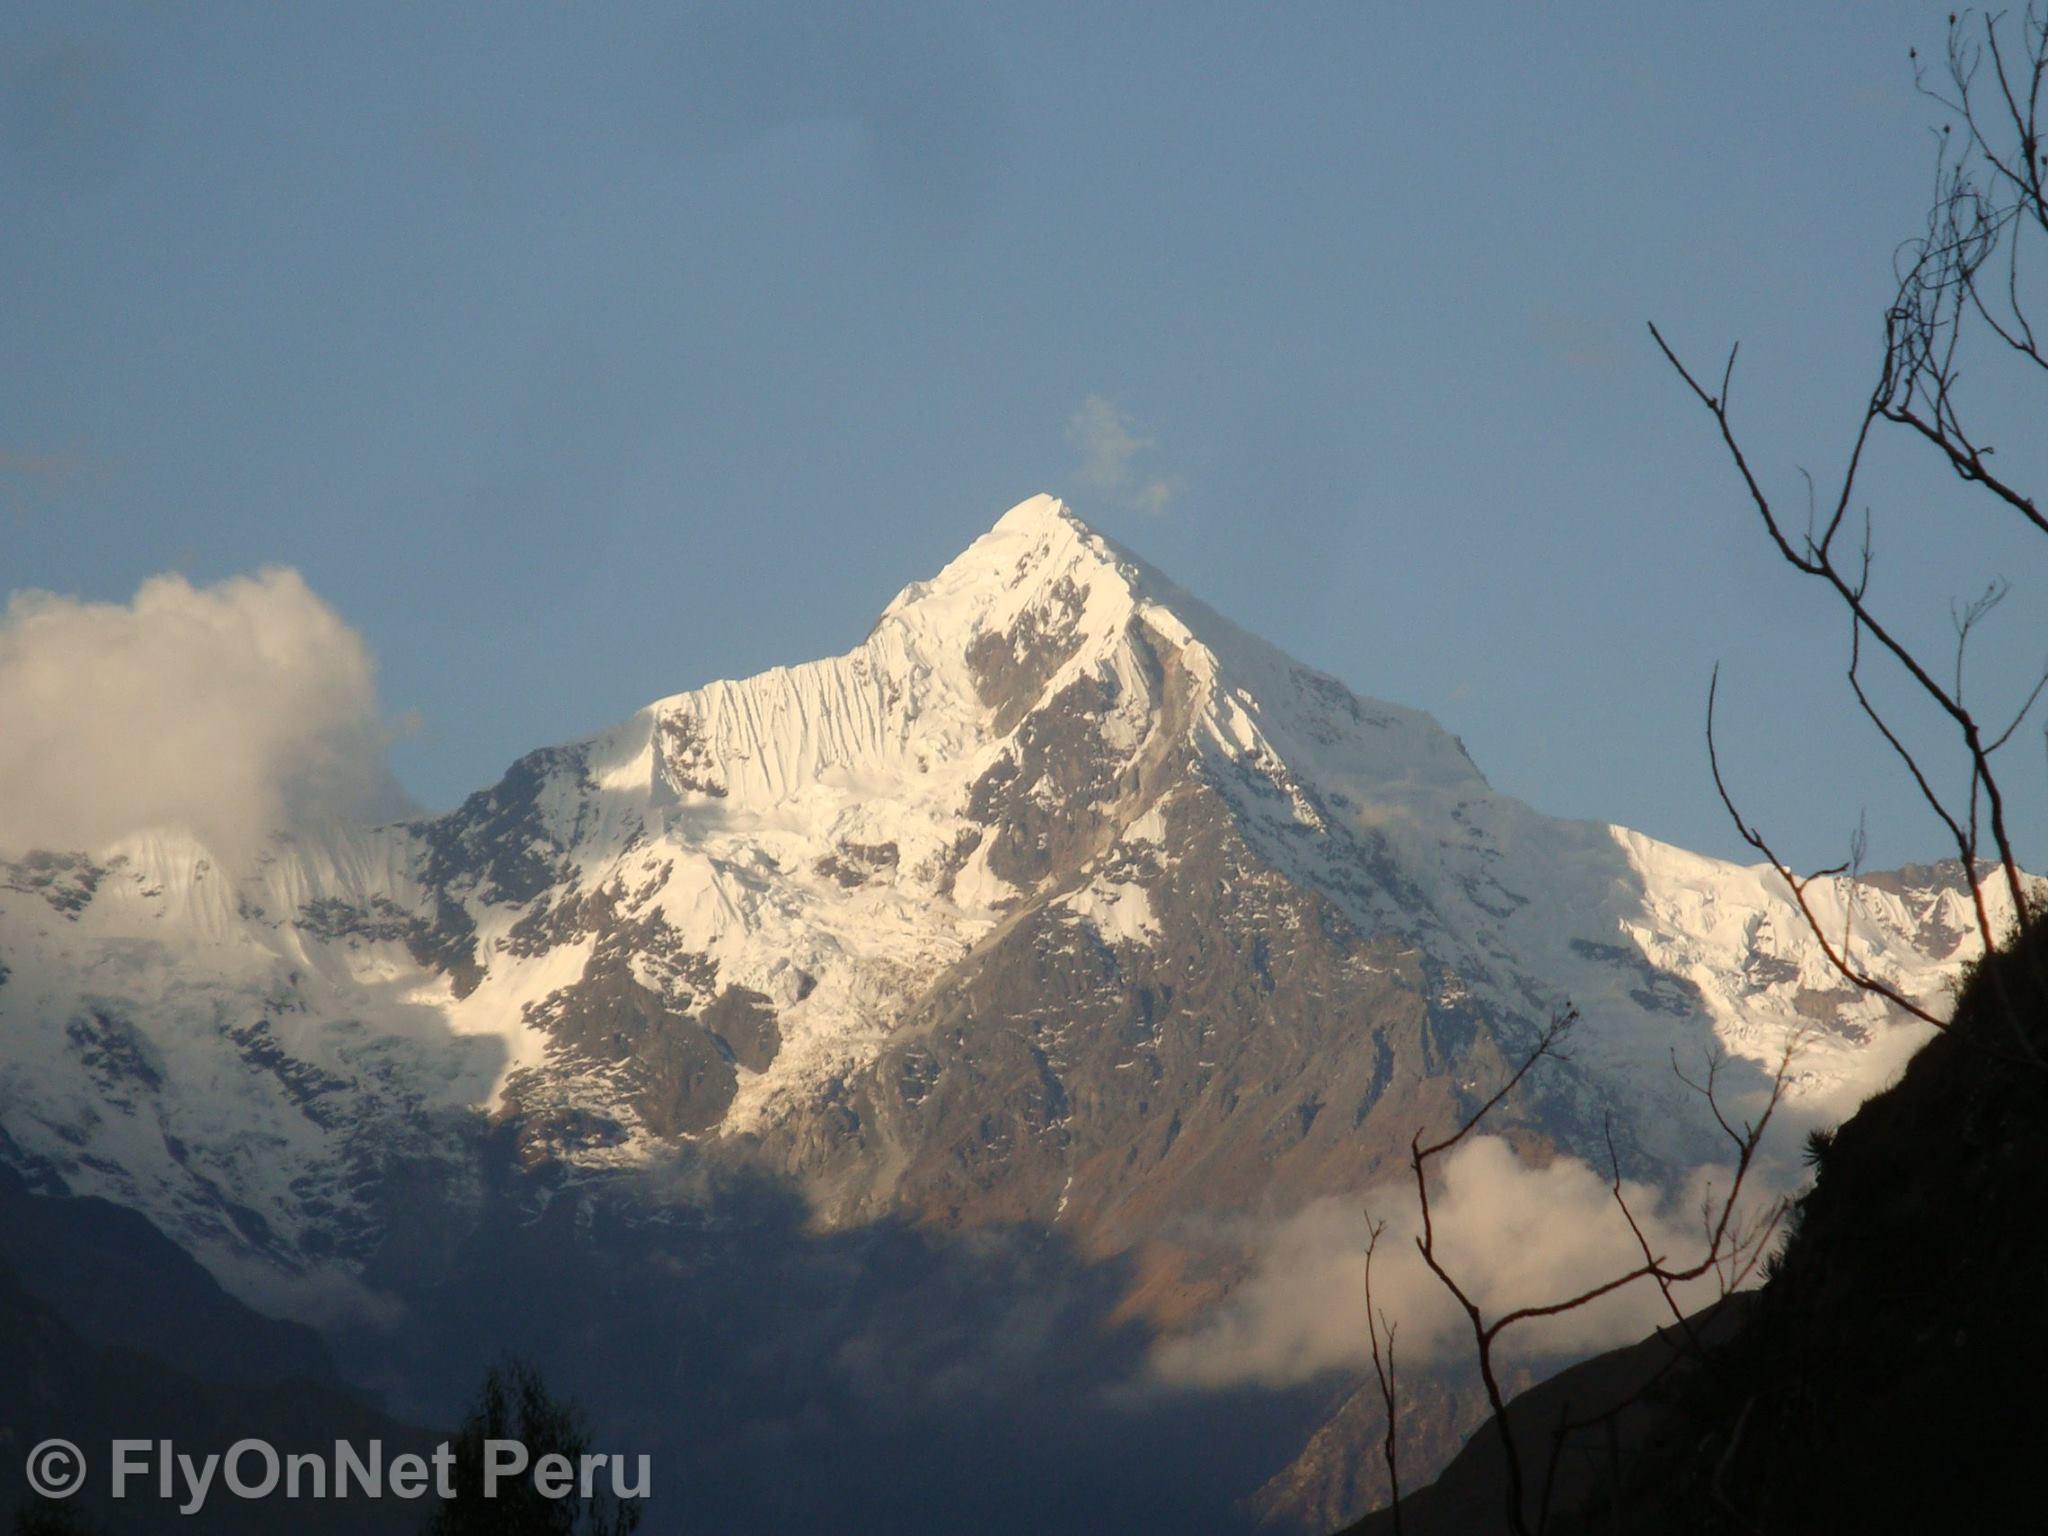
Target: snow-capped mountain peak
point(1058, 897)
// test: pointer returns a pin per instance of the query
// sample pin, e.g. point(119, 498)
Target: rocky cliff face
point(1057, 901)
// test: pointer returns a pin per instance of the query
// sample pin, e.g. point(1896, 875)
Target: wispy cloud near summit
point(1116, 463)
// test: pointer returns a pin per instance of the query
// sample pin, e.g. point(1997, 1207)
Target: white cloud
point(227, 711)
point(1513, 1236)
point(1116, 463)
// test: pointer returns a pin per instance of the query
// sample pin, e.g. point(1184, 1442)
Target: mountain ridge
point(980, 920)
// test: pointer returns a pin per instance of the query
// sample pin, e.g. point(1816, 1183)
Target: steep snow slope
point(770, 917)
point(184, 1040)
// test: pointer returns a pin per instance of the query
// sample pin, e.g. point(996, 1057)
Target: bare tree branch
point(1722, 1226)
point(1838, 958)
point(1376, 1323)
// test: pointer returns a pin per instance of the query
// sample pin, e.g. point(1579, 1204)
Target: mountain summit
point(1059, 899)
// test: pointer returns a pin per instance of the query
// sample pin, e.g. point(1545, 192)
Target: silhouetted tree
point(1968, 293)
point(515, 1405)
point(1733, 1243)
point(1967, 284)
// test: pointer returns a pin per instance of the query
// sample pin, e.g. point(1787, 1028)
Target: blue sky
point(581, 355)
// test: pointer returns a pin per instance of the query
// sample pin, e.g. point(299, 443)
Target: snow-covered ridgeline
point(197, 1041)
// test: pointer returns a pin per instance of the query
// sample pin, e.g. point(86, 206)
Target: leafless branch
point(1378, 1323)
point(1837, 957)
point(1722, 1226)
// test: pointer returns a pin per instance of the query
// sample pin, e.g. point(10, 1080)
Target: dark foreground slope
point(1888, 1375)
point(55, 1380)
point(115, 1280)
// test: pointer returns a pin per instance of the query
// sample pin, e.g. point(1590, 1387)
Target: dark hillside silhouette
point(1887, 1376)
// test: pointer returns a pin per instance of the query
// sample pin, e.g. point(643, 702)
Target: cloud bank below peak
point(226, 711)
point(1516, 1236)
